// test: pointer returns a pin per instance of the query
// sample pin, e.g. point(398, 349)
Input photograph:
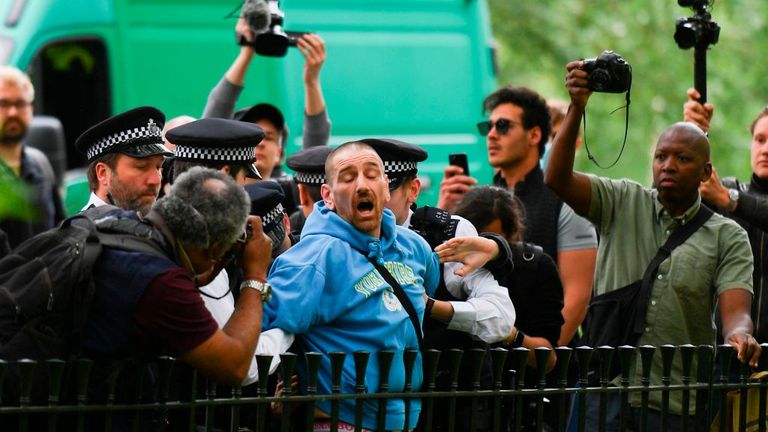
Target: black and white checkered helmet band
point(271, 219)
point(150, 133)
point(400, 167)
point(309, 178)
point(219, 154)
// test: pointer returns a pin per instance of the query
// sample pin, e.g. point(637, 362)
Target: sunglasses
point(502, 126)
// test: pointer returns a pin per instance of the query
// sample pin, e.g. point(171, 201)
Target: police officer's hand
point(695, 112)
point(312, 47)
point(453, 187)
point(258, 251)
point(474, 252)
point(576, 83)
point(747, 348)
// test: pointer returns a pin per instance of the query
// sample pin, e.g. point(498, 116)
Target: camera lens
point(686, 33)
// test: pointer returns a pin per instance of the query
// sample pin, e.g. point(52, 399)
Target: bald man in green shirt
point(634, 221)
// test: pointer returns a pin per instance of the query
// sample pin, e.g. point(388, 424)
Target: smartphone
point(459, 160)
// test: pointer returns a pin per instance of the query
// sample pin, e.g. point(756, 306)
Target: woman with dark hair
point(534, 284)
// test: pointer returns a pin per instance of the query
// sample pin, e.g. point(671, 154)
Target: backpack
point(46, 283)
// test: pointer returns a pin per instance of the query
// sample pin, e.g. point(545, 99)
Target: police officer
point(309, 174)
point(226, 145)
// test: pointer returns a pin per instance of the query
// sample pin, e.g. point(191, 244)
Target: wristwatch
point(262, 287)
point(733, 199)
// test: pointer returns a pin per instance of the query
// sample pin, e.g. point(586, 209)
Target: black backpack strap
point(403, 297)
point(678, 237)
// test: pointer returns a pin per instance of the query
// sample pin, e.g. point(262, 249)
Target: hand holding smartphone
point(459, 160)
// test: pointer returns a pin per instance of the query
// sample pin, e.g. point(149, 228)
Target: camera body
point(608, 73)
point(265, 19)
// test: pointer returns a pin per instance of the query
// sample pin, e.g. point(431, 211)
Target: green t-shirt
point(632, 225)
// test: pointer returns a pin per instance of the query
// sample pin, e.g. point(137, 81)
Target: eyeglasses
point(19, 104)
point(502, 126)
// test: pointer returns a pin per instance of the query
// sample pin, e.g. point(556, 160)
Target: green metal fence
point(166, 395)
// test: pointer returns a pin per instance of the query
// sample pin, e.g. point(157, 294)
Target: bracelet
point(518, 342)
point(428, 308)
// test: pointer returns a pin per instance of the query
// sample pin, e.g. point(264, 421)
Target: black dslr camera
point(608, 73)
point(265, 20)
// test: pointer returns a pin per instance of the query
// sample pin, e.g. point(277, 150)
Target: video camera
point(698, 30)
point(608, 73)
point(265, 19)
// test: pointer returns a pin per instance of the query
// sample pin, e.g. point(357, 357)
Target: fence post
point(263, 364)
point(287, 368)
point(604, 355)
point(705, 357)
point(561, 371)
point(165, 365)
point(476, 357)
point(454, 360)
point(646, 358)
point(686, 353)
point(361, 364)
point(409, 361)
point(498, 359)
point(584, 357)
point(55, 375)
point(519, 363)
point(313, 360)
point(83, 367)
point(724, 351)
point(337, 364)
point(431, 359)
point(667, 355)
point(385, 365)
point(763, 400)
point(627, 358)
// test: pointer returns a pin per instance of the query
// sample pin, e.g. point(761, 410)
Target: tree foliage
point(537, 38)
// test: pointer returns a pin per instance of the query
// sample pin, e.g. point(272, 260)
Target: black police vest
point(542, 210)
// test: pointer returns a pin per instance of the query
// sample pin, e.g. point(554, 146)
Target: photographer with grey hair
point(149, 305)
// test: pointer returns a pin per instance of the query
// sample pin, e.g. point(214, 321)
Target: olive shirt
point(632, 225)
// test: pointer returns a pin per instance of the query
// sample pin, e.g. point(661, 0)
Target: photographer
point(746, 203)
point(633, 222)
point(271, 151)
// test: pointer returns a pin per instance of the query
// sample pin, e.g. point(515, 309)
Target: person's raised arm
point(222, 98)
point(571, 186)
point(317, 125)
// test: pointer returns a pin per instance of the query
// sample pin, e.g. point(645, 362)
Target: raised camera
point(265, 20)
point(608, 73)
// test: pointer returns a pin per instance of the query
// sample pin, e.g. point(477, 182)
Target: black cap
point(136, 133)
point(400, 158)
point(265, 111)
point(309, 165)
point(266, 197)
point(217, 140)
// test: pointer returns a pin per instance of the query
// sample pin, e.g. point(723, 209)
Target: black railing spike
point(687, 352)
point(584, 357)
point(667, 356)
point(431, 360)
point(26, 376)
point(626, 357)
point(313, 360)
point(605, 357)
point(263, 364)
point(726, 354)
point(475, 357)
point(763, 362)
point(165, 364)
point(564, 354)
point(83, 367)
point(646, 359)
point(542, 354)
point(385, 365)
point(361, 365)
point(454, 361)
point(55, 377)
point(498, 358)
point(409, 361)
point(287, 370)
point(3, 371)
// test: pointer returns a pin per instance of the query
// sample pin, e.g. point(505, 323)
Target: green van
point(414, 70)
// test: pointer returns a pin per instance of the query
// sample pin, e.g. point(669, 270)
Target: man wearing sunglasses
point(516, 134)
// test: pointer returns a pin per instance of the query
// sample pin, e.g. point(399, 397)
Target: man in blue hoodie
point(327, 291)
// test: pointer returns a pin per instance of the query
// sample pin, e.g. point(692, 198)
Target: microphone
point(257, 15)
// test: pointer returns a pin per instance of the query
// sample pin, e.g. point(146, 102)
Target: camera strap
point(626, 129)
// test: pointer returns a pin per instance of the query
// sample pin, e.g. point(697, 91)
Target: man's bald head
point(343, 150)
point(690, 134)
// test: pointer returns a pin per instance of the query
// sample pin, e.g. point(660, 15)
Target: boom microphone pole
point(697, 32)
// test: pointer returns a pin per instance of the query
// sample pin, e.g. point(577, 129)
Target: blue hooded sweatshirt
point(326, 291)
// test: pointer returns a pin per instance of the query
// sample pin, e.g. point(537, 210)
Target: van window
point(71, 80)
